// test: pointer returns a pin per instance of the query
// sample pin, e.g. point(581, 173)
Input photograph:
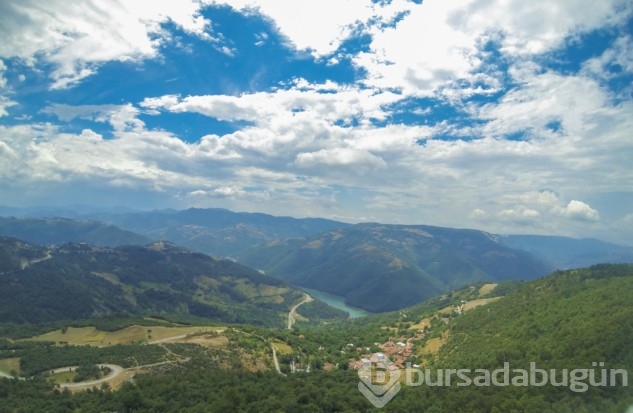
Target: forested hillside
point(77, 281)
point(387, 267)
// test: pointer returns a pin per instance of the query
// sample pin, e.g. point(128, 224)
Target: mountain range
point(377, 267)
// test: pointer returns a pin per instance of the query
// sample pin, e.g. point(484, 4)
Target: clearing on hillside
point(486, 289)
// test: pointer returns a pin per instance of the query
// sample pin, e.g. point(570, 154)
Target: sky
point(501, 115)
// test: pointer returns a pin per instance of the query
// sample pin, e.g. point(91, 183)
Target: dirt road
point(275, 360)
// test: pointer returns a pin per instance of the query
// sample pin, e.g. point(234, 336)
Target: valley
point(125, 326)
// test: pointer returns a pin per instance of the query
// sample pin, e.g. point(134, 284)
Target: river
point(336, 302)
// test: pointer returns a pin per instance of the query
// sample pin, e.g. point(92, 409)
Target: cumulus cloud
point(578, 210)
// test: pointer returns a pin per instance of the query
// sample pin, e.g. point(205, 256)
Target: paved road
point(293, 311)
point(114, 372)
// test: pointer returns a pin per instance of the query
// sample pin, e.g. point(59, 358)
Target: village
point(397, 351)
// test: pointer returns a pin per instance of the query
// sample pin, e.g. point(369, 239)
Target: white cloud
point(165, 102)
point(579, 211)
point(545, 206)
point(5, 102)
point(301, 100)
point(530, 28)
point(76, 37)
point(541, 99)
point(520, 214)
point(121, 117)
point(228, 192)
point(477, 213)
point(448, 38)
point(615, 62)
point(319, 26)
point(339, 157)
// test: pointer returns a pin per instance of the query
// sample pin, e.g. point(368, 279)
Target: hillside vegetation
point(576, 319)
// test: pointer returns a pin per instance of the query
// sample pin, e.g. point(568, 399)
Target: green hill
point(78, 281)
point(575, 320)
point(386, 267)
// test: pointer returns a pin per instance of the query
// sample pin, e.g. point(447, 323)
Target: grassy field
point(425, 322)
point(432, 346)
point(131, 334)
point(63, 377)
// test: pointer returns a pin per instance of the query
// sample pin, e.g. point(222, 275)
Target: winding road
point(114, 372)
point(293, 311)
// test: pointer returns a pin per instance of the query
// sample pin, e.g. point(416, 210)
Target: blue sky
point(506, 116)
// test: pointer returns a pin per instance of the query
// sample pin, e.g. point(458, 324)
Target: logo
point(379, 380)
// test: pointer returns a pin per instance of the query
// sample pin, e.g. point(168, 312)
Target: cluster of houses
point(393, 355)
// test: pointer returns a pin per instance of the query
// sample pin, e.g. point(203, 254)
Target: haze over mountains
point(377, 267)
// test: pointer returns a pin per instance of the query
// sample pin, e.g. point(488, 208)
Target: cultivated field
point(131, 334)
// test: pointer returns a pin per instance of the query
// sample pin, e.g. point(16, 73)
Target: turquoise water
point(336, 302)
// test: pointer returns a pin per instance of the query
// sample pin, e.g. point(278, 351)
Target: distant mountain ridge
point(57, 230)
point(387, 267)
point(565, 253)
point(215, 231)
